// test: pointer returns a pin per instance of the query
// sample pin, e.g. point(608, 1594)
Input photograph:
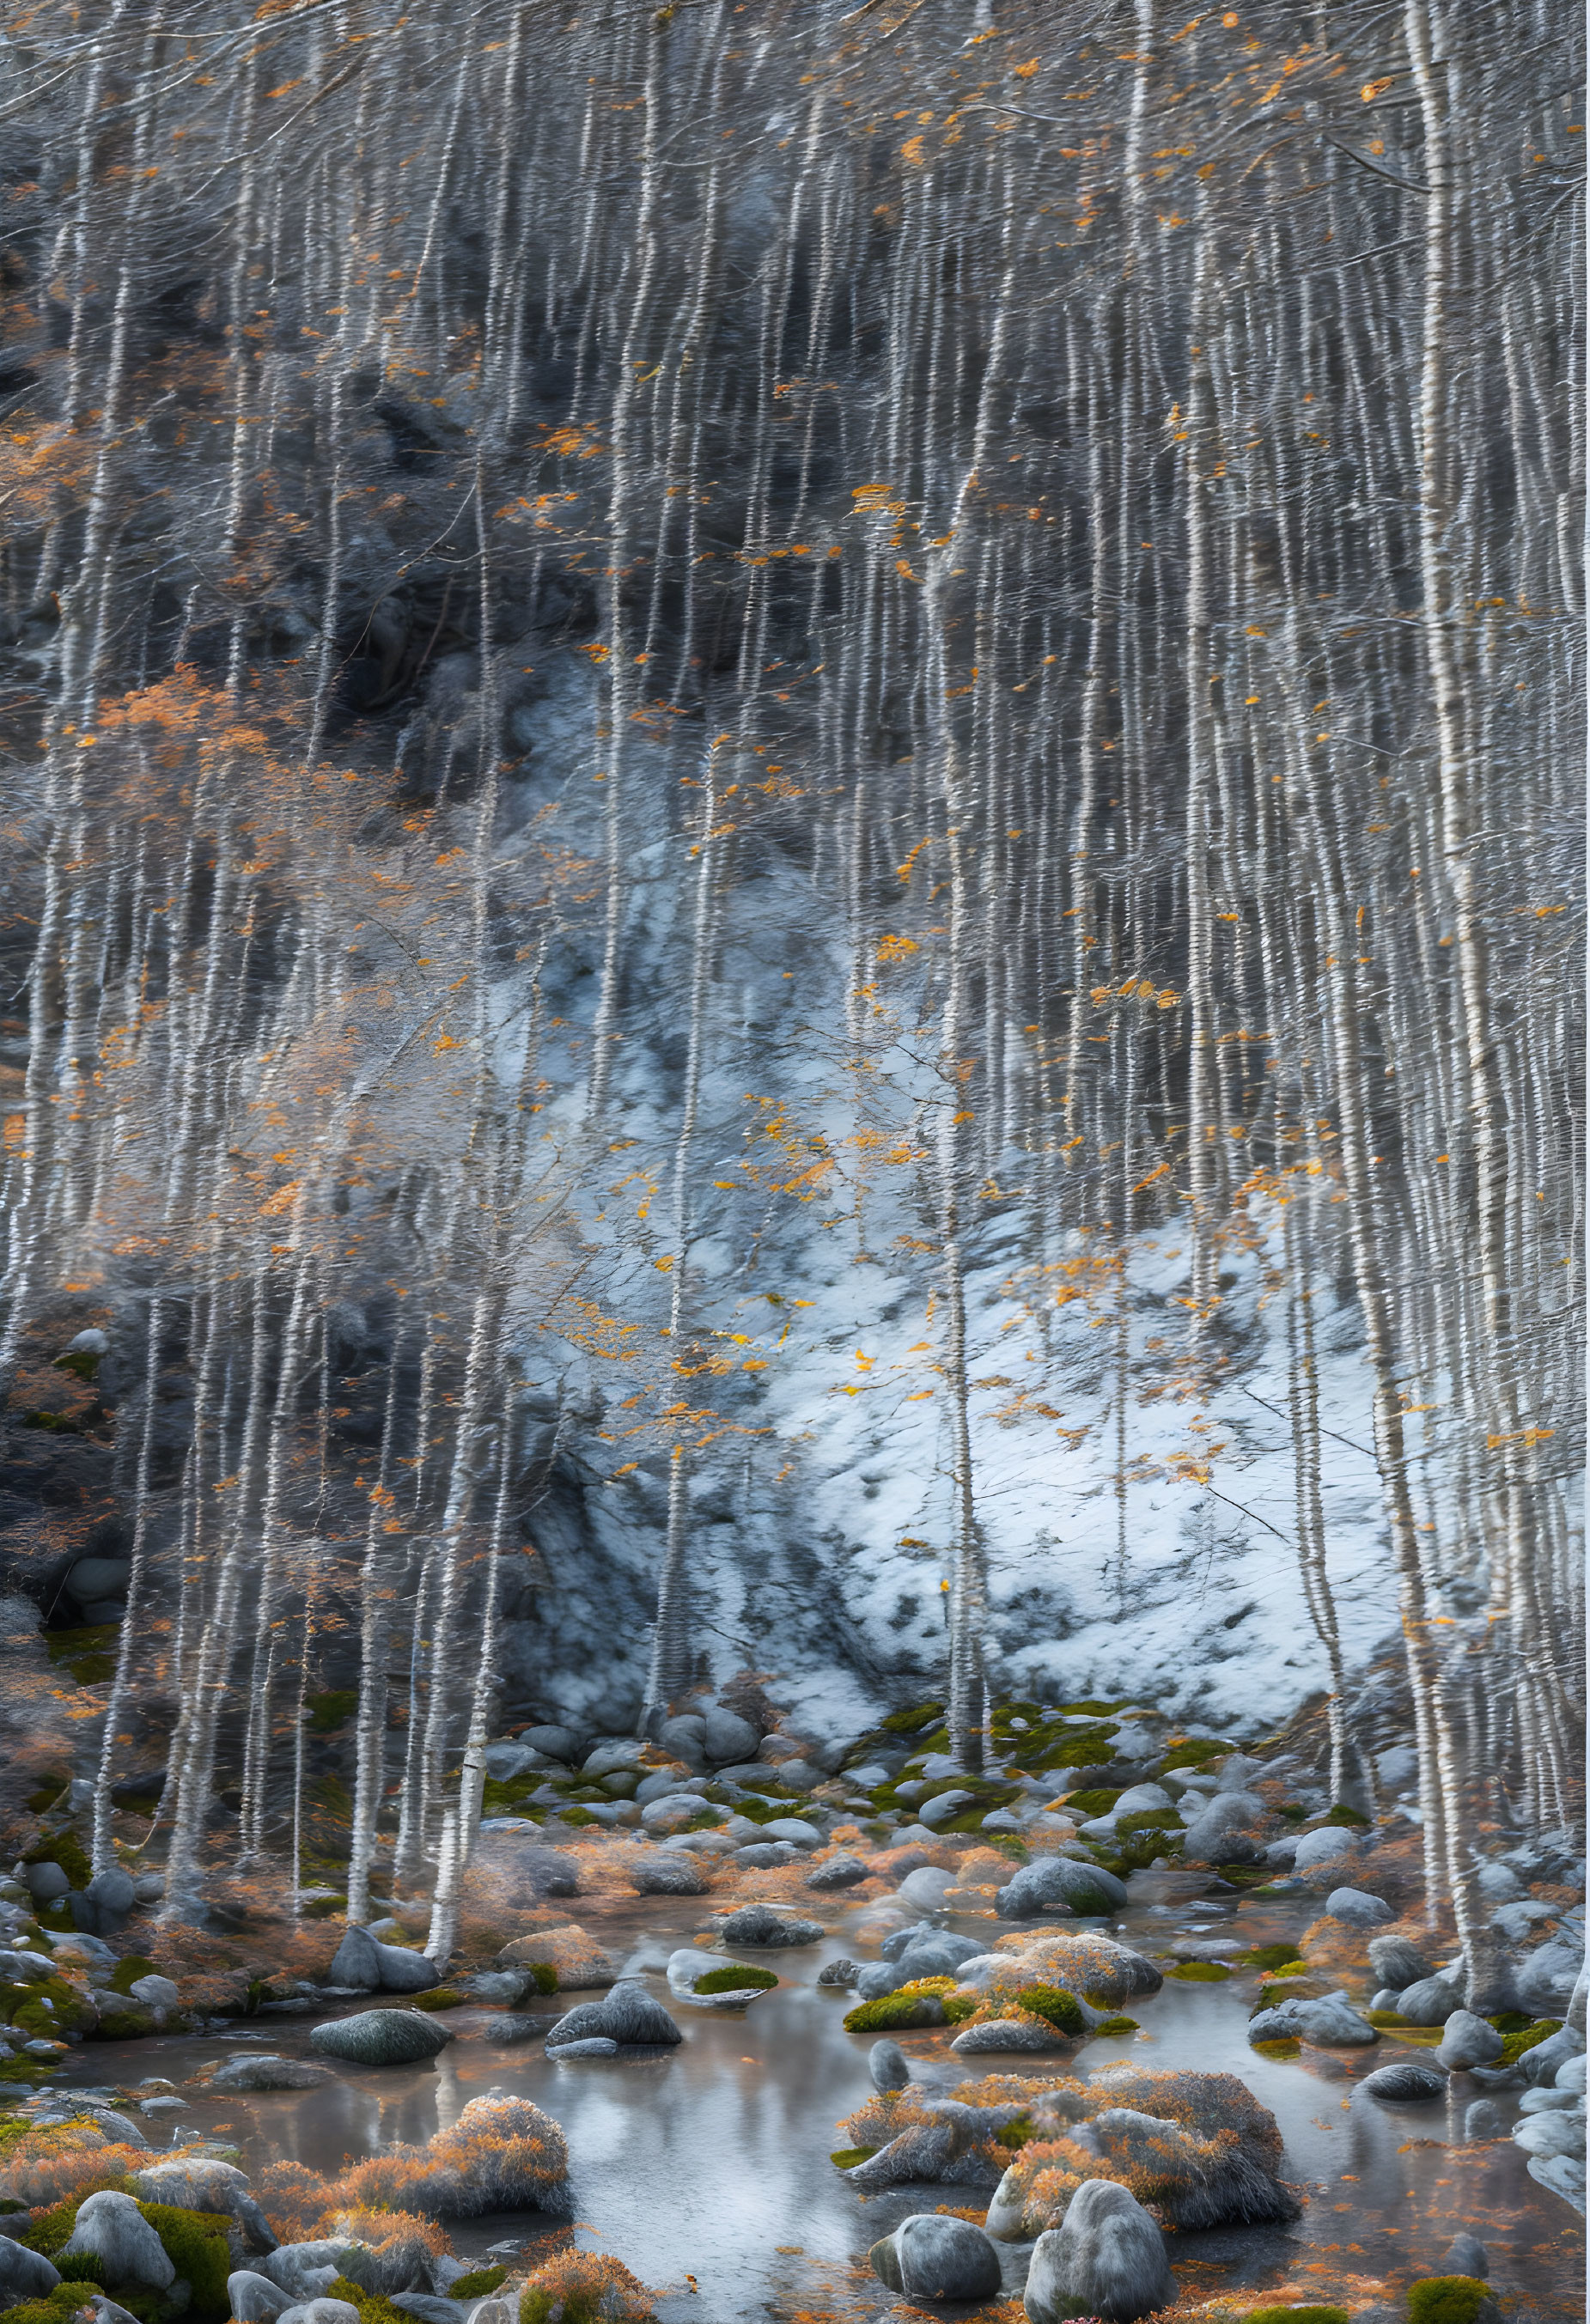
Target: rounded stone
point(381, 2037)
point(1405, 2084)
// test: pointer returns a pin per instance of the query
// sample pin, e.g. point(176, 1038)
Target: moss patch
point(66, 1850)
point(1296, 2316)
point(847, 2157)
point(128, 1971)
point(1274, 1957)
point(1055, 2005)
point(1199, 1972)
point(911, 1722)
point(1446, 2300)
point(736, 1977)
point(1114, 2025)
point(1194, 1754)
point(441, 1996)
point(479, 2285)
point(1092, 1803)
point(1515, 2044)
point(921, 2004)
point(1283, 2046)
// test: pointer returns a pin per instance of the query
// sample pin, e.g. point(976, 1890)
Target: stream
point(710, 2162)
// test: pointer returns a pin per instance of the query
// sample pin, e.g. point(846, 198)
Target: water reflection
point(701, 2161)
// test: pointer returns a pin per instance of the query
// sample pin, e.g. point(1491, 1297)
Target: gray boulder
point(627, 2015)
point(1406, 2084)
point(156, 1992)
point(1210, 1831)
point(46, 1883)
point(1541, 2065)
point(1385, 1999)
point(25, 2274)
point(1009, 2037)
point(381, 2037)
point(727, 1737)
point(1358, 1910)
point(1430, 2002)
point(1397, 1963)
point(685, 1738)
point(662, 1872)
point(930, 2257)
point(430, 2307)
point(202, 2182)
point(1551, 2133)
point(1485, 2119)
point(402, 1971)
point(1327, 2023)
point(254, 2298)
point(1468, 2255)
point(108, 1898)
point(552, 1743)
point(322, 2312)
point(302, 2270)
point(1324, 1845)
point(112, 2229)
point(588, 2045)
point(1107, 2258)
point(889, 2066)
point(1468, 2041)
point(763, 1855)
point(1052, 1884)
point(840, 1972)
point(268, 2073)
point(838, 1872)
point(765, 1924)
point(357, 1962)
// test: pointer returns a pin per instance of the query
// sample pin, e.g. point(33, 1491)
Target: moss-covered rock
point(1515, 2044)
point(736, 1977)
point(1199, 1972)
point(1056, 2006)
point(926, 2002)
point(1451, 2300)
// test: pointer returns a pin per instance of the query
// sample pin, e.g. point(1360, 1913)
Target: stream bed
point(706, 2170)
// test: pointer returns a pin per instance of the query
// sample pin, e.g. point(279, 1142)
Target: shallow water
point(710, 2161)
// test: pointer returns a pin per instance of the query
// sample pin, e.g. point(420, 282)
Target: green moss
point(1446, 2300)
point(1513, 2045)
point(1092, 1803)
point(1194, 1753)
point(1296, 2316)
point(1009, 1845)
point(577, 1816)
point(1243, 1875)
point(921, 2004)
point(128, 2023)
point(65, 1848)
point(1093, 1709)
point(1272, 1957)
point(1199, 1972)
point(57, 2307)
point(1015, 2134)
point(68, 2011)
point(441, 1996)
point(1149, 1819)
point(479, 2285)
point(372, 2307)
point(847, 2157)
point(1055, 2005)
point(1285, 2045)
point(128, 1971)
point(1293, 1811)
point(736, 1977)
point(1087, 1746)
point(196, 2244)
point(1343, 1814)
point(911, 1722)
point(1511, 2021)
point(49, 1791)
point(1114, 2026)
point(326, 1908)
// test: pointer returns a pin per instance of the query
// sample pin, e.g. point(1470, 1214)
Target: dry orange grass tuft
point(62, 2165)
point(293, 2197)
point(584, 2288)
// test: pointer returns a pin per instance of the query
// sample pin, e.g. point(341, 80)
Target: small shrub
point(479, 2285)
point(1446, 2300)
point(544, 1977)
point(1055, 2005)
point(1199, 1972)
point(293, 2197)
point(847, 2157)
point(327, 1712)
point(57, 2307)
point(1015, 2134)
point(736, 1977)
point(584, 2288)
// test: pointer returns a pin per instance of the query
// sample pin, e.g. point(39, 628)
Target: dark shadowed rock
point(767, 1924)
point(381, 2037)
point(889, 2066)
point(666, 1872)
point(628, 2015)
point(838, 1872)
point(1398, 1962)
point(1405, 2084)
point(930, 2257)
